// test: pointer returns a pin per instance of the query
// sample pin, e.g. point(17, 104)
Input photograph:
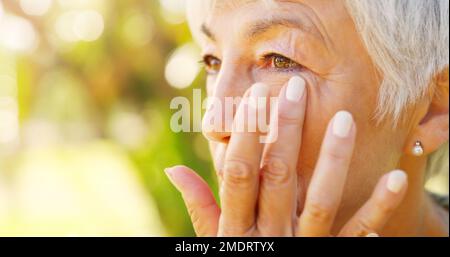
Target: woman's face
point(244, 42)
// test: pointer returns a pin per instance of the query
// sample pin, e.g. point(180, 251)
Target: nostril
point(226, 140)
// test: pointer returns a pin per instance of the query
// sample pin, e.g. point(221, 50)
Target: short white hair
point(407, 41)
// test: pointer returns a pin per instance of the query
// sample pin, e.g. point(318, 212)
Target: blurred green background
point(85, 87)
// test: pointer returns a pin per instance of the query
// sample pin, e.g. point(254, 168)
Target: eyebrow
point(260, 27)
point(263, 26)
point(207, 32)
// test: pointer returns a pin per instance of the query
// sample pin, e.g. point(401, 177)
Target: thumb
point(199, 199)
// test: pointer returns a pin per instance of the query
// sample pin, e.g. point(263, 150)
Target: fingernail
point(396, 181)
point(373, 235)
point(295, 89)
point(258, 92)
point(171, 177)
point(168, 172)
point(342, 124)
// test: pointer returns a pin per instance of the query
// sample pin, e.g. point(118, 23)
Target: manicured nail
point(295, 89)
point(342, 124)
point(170, 175)
point(258, 94)
point(168, 172)
point(396, 181)
point(373, 235)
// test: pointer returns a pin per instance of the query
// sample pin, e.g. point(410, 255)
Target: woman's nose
point(214, 125)
point(228, 88)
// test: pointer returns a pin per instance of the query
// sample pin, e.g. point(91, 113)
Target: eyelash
point(206, 63)
point(268, 61)
point(265, 62)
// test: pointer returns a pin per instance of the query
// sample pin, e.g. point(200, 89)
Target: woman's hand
point(258, 186)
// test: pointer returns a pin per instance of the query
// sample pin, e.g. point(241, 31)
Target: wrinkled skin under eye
point(270, 61)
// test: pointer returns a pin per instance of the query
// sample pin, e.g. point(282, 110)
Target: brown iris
point(212, 64)
point(281, 62)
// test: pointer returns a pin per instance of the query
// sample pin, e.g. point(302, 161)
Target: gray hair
point(408, 42)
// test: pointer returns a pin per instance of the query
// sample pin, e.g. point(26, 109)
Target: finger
point(241, 168)
point(219, 150)
point(277, 200)
point(372, 217)
point(328, 181)
point(199, 200)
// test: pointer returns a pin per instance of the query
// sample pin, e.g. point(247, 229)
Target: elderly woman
point(363, 101)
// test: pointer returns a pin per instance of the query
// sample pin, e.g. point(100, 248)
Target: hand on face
point(259, 182)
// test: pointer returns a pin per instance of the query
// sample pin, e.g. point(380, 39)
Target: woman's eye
point(212, 64)
point(280, 62)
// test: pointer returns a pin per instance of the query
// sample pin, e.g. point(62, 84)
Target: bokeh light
point(17, 34)
point(64, 26)
point(183, 67)
point(138, 29)
point(73, 26)
point(88, 25)
point(36, 7)
point(173, 10)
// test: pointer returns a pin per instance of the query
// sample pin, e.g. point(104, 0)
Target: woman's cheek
point(210, 81)
point(275, 80)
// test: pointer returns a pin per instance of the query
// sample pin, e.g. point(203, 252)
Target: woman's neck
point(418, 215)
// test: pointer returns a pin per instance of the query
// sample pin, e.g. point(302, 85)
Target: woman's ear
point(433, 129)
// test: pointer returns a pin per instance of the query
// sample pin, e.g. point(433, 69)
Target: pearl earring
point(418, 149)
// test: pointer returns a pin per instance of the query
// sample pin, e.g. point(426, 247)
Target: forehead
point(201, 12)
point(230, 4)
point(328, 20)
point(202, 8)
